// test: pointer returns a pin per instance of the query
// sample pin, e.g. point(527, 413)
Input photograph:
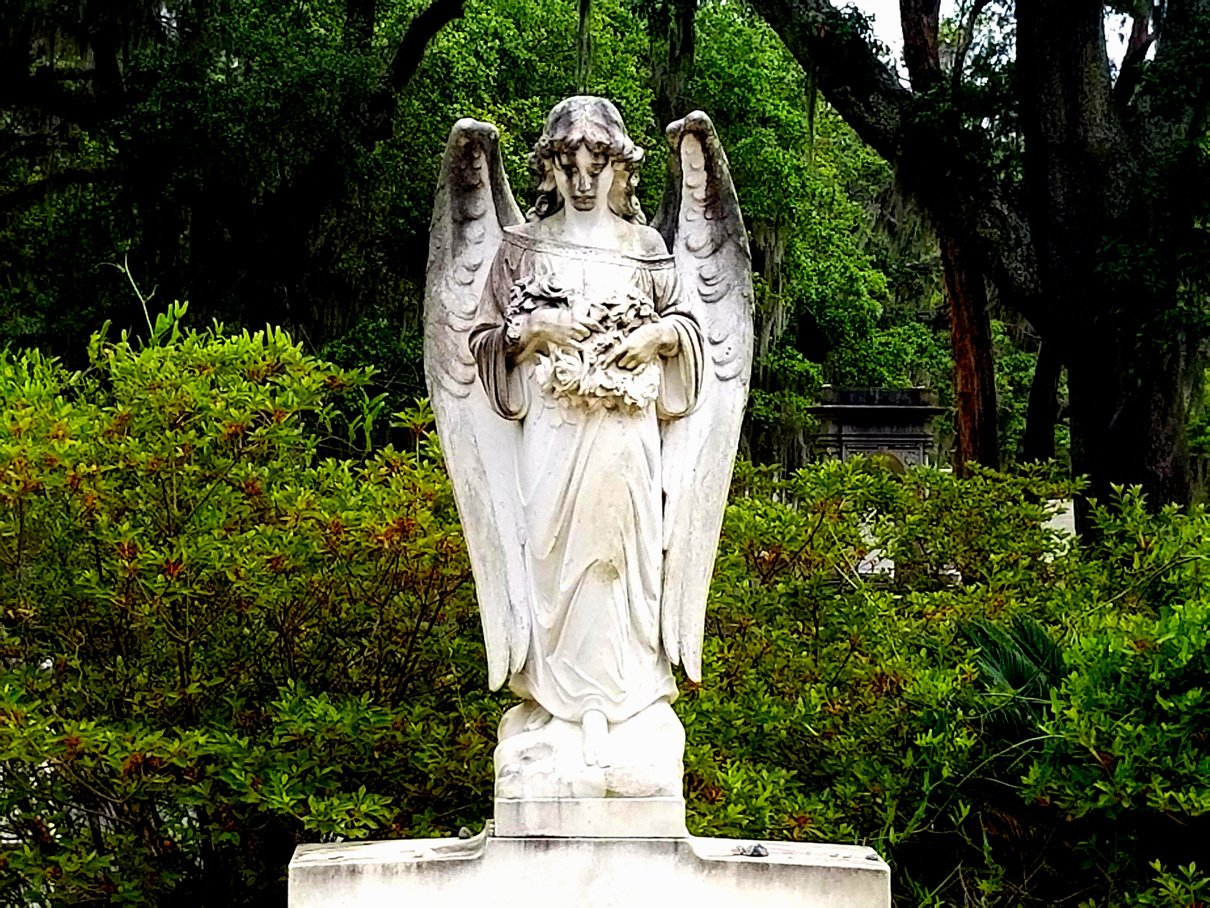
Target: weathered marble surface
point(589, 373)
point(588, 873)
point(661, 818)
point(639, 758)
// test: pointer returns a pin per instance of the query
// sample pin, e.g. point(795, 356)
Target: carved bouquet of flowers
point(587, 373)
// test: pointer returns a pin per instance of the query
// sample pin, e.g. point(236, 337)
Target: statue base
point(655, 818)
point(588, 873)
point(541, 758)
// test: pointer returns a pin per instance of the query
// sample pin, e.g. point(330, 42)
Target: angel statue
point(588, 388)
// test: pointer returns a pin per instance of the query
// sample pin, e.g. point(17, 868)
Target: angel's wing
point(700, 219)
point(474, 203)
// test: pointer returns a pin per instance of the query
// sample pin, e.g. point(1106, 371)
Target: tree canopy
point(1081, 193)
point(275, 164)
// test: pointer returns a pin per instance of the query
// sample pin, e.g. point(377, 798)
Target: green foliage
point(233, 165)
point(1187, 886)
point(806, 182)
point(1021, 660)
point(218, 641)
point(235, 159)
point(508, 63)
point(1014, 373)
point(903, 355)
point(1127, 727)
point(795, 171)
point(839, 707)
point(397, 355)
point(1009, 699)
point(787, 384)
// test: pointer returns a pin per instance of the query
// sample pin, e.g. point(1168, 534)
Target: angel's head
point(585, 148)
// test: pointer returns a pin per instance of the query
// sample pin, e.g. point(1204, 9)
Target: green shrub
point(218, 642)
point(226, 628)
point(1013, 719)
point(842, 707)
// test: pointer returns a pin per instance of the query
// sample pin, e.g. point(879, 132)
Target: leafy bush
point(1027, 707)
point(397, 357)
point(216, 640)
point(227, 629)
point(843, 707)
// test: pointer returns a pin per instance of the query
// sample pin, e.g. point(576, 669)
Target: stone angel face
point(584, 157)
point(588, 373)
point(583, 177)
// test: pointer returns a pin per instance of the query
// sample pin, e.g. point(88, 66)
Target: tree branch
point(927, 154)
point(406, 60)
point(420, 32)
point(920, 21)
point(1172, 101)
point(26, 195)
point(859, 85)
point(1134, 60)
point(965, 40)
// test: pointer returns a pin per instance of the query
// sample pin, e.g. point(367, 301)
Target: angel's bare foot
point(596, 738)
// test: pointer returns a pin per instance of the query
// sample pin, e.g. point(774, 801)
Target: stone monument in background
point(894, 423)
point(588, 373)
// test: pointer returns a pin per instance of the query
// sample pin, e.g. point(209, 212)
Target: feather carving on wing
point(474, 204)
point(700, 219)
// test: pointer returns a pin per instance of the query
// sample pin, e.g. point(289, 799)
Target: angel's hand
point(645, 343)
point(554, 328)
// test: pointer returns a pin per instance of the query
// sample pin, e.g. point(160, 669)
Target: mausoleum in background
point(894, 422)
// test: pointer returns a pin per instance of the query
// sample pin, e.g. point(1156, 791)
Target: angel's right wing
point(474, 204)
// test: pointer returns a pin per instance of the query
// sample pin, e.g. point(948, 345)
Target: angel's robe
point(589, 476)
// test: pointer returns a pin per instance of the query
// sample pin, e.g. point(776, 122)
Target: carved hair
point(596, 123)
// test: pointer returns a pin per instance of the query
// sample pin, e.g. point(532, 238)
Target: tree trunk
point(1093, 244)
point(1127, 367)
point(671, 74)
point(920, 23)
point(965, 288)
point(1042, 411)
point(1129, 404)
point(974, 373)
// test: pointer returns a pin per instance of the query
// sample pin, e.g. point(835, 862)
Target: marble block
point(653, 818)
point(545, 760)
point(587, 873)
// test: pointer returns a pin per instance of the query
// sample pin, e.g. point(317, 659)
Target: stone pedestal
point(575, 818)
point(489, 870)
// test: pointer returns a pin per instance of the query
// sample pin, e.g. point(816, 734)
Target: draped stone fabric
point(589, 472)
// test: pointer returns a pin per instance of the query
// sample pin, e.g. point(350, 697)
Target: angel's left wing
point(474, 204)
point(700, 220)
